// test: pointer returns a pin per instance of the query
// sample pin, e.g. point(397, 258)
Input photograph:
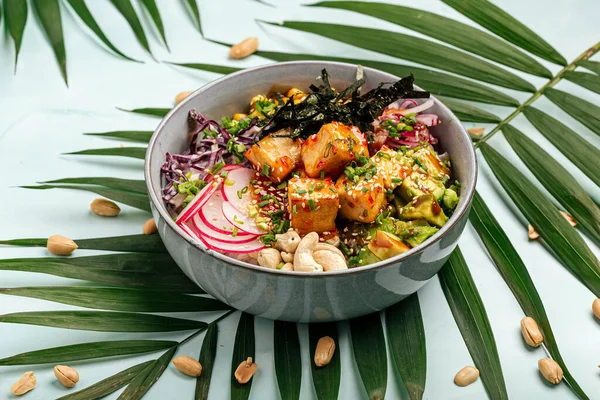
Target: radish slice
point(239, 179)
point(240, 219)
point(428, 119)
point(238, 248)
point(212, 215)
point(403, 104)
point(205, 230)
point(418, 109)
point(198, 201)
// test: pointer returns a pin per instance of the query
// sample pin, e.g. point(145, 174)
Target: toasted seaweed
point(323, 105)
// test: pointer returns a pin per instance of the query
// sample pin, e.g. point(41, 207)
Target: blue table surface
point(40, 119)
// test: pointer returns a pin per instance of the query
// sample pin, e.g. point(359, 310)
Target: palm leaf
point(153, 111)
point(578, 150)
point(132, 199)
point(558, 234)
point(139, 270)
point(118, 299)
point(134, 136)
point(467, 113)
point(406, 336)
point(87, 351)
point(583, 111)
point(415, 49)
point(102, 321)
point(516, 276)
point(86, 16)
point(219, 69)
point(132, 185)
point(288, 364)
point(502, 24)
point(152, 9)
point(557, 180)
point(129, 243)
point(584, 79)
point(48, 12)
point(195, 13)
point(128, 12)
point(15, 15)
point(470, 316)
point(148, 377)
point(132, 152)
point(208, 354)
point(593, 66)
point(243, 347)
point(446, 30)
point(326, 380)
point(437, 83)
point(368, 343)
point(108, 385)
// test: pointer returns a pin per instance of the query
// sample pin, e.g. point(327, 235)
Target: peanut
point(531, 332)
point(245, 371)
point(596, 308)
point(244, 48)
point(466, 376)
point(149, 227)
point(66, 375)
point(105, 208)
point(550, 370)
point(324, 351)
point(60, 245)
point(188, 365)
point(179, 98)
point(25, 383)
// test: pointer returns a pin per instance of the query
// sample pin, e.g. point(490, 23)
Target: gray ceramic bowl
point(298, 296)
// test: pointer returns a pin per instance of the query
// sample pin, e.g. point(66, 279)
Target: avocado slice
point(419, 184)
point(424, 207)
point(450, 199)
point(417, 234)
point(385, 245)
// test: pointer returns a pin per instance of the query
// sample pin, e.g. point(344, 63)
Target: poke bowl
point(310, 191)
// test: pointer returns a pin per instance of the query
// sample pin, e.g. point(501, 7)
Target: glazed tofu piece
point(361, 201)
point(313, 204)
point(330, 149)
point(392, 166)
point(275, 157)
point(429, 162)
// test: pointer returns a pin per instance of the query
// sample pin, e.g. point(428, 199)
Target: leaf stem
point(193, 335)
point(557, 78)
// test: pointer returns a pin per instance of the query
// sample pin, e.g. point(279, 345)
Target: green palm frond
point(142, 275)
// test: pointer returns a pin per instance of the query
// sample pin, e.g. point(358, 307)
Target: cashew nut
point(269, 258)
point(287, 267)
point(287, 257)
point(331, 261)
point(287, 242)
point(329, 247)
point(303, 259)
point(334, 241)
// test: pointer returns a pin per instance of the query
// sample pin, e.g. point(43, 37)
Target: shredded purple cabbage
point(204, 151)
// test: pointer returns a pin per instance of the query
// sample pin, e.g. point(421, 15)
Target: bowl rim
point(467, 191)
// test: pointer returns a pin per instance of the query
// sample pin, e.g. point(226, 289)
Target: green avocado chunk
point(450, 199)
point(424, 207)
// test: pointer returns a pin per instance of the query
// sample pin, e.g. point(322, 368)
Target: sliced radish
point(212, 215)
point(428, 119)
point(205, 230)
point(198, 201)
point(240, 219)
point(239, 248)
point(237, 180)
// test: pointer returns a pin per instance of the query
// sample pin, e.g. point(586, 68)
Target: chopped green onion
point(319, 186)
point(229, 182)
point(235, 231)
point(237, 221)
point(294, 210)
point(301, 191)
point(333, 190)
point(384, 155)
point(364, 190)
point(396, 180)
point(266, 170)
point(263, 204)
point(311, 204)
point(215, 169)
point(282, 185)
point(322, 174)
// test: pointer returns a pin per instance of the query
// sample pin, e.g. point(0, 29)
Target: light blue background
point(40, 119)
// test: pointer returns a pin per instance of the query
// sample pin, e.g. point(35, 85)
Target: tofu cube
point(313, 205)
point(363, 200)
point(430, 163)
point(392, 166)
point(330, 149)
point(275, 157)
